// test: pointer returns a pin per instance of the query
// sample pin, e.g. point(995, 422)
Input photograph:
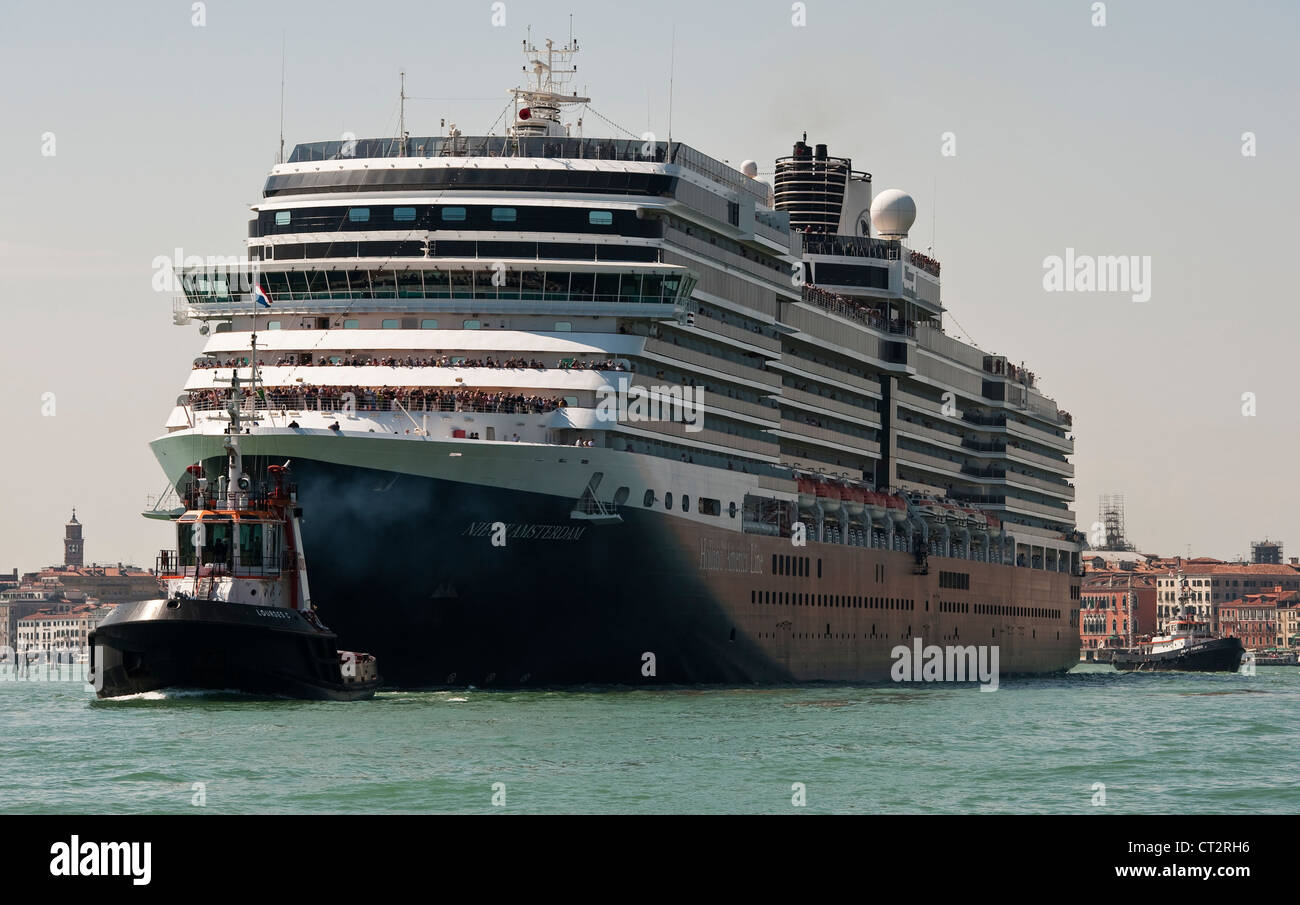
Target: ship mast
point(538, 106)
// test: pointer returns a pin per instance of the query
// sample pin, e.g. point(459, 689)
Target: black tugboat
point(1187, 646)
point(237, 614)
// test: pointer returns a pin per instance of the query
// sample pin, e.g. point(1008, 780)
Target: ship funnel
point(810, 184)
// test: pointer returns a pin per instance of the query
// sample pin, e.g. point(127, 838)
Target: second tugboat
point(1188, 645)
point(237, 614)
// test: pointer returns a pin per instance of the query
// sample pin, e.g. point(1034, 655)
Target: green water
point(1173, 743)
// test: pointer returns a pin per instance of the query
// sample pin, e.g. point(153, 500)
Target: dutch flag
point(260, 296)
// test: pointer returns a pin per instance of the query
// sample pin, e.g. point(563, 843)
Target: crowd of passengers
point(441, 361)
point(423, 399)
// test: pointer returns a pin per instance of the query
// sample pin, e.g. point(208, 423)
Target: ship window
point(563, 326)
point(709, 507)
point(668, 500)
point(250, 545)
point(453, 213)
point(282, 218)
point(428, 324)
point(359, 215)
point(571, 401)
point(686, 503)
point(273, 325)
point(351, 324)
point(731, 510)
point(390, 323)
point(649, 499)
point(600, 218)
point(503, 215)
point(403, 214)
point(472, 325)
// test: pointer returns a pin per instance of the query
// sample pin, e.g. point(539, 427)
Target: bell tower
point(74, 550)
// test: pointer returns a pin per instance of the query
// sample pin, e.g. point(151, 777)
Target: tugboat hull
point(206, 644)
point(1215, 655)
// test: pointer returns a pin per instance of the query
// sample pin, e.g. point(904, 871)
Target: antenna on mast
point(280, 159)
point(672, 63)
point(401, 116)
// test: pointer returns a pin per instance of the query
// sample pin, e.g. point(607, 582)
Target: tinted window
point(282, 218)
point(503, 214)
point(600, 218)
point(402, 214)
point(453, 213)
point(359, 214)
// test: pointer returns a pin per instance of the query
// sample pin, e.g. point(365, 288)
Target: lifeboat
point(877, 503)
point(995, 524)
point(897, 508)
point(827, 491)
point(954, 514)
point(807, 492)
point(930, 509)
point(976, 519)
point(854, 499)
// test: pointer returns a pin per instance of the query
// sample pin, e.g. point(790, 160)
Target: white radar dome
point(892, 213)
point(749, 168)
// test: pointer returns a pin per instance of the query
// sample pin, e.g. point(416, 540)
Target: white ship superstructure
point(449, 312)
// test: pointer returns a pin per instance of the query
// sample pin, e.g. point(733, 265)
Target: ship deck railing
point(278, 403)
point(851, 310)
point(554, 147)
point(170, 564)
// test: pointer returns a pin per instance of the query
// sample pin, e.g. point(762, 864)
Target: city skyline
point(1119, 139)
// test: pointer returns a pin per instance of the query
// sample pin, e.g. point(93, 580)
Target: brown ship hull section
point(839, 611)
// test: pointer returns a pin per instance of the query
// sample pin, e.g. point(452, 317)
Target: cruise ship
point(570, 410)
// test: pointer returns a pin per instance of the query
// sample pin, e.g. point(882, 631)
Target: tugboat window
point(250, 545)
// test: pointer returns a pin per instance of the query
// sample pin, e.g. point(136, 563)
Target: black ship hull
point(1215, 655)
point(205, 644)
point(454, 584)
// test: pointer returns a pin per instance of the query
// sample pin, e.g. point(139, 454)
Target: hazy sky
point(1117, 140)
